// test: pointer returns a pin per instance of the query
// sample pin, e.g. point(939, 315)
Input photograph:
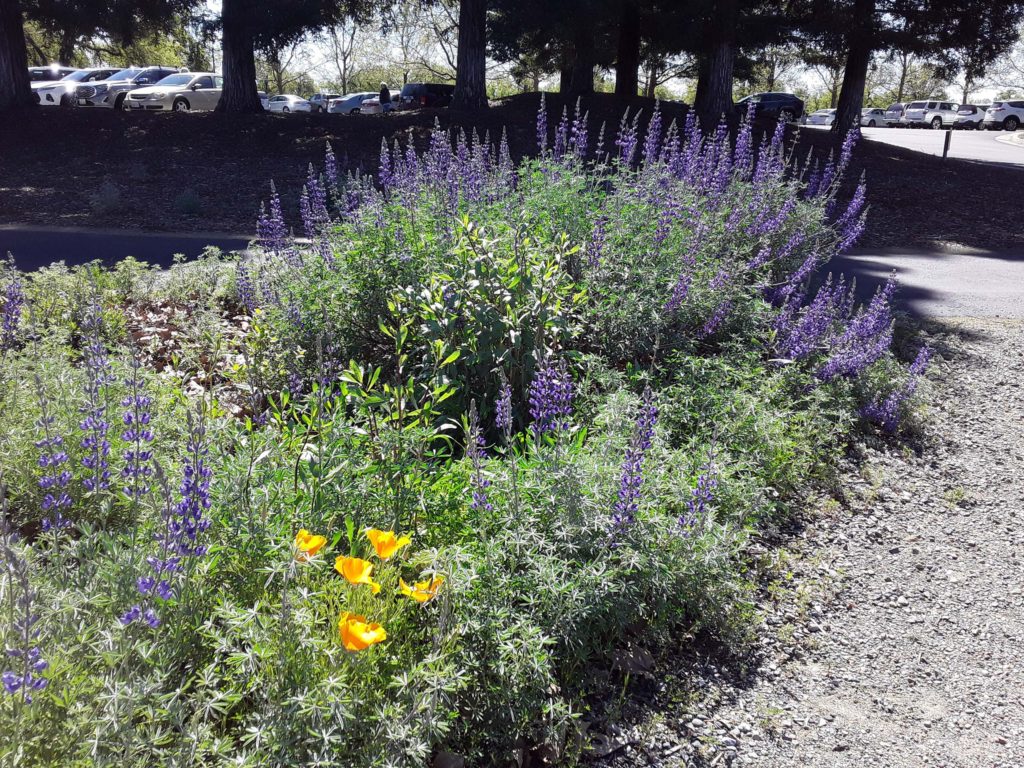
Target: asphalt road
point(35, 247)
point(980, 146)
point(942, 284)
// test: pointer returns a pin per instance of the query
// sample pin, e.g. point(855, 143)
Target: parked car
point(893, 113)
point(288, 103)
point(264, 99)
point(969, 117)
point(1008, 115)
point(180, 92)
point(349, 103)
point(822, 117)
point(934, 114)
point(50, 74)
point(371, 106)
point(319, 101)
point(871, 117)
point(62, 92)
point(112, 92)
point(415, 95)
point(783, 106)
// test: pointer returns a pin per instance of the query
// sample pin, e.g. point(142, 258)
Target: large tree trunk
point(581, 78)
point(627, 59)
point(66, 48)
point(855, 76)
point(714, 83)
point(565, 67)
point(15, 90)
point(239, 61)
point(470, 66)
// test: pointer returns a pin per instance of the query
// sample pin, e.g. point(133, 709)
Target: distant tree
point(933, 29)
point(268, 25)
point(1008, 70)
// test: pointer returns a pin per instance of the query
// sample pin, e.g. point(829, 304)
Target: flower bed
point(405, 484)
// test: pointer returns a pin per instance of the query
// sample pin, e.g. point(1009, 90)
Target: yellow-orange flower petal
point(357, 571)
point(386, 542)
point(307, 545)
point(357, 634)
point(421, 591)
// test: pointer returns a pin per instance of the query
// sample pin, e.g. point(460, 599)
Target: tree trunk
point(904, 69)
point(470, 66)
point(15, 90)
point(858, 58)
point(652, 81)
point(565, 67)
point(627, 59)
point(239, 62)
point(714, 83)
point(581, 79)
point(66, 48)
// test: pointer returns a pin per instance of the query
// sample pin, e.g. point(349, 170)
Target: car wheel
point(354, 111)
point(936, 123)
point(871, 123)
point(119, 101)
point(180, 105)
point(285, 109)
point(67, 101)
point(1011, 123)
point(787, 115)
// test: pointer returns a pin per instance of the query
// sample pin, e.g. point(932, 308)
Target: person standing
point(385, 98)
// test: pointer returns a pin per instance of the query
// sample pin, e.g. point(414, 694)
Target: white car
point(969, 117)
point(934, 114)
point(871, 117)
point(50, 74)
point(1005, 115)
point(62, 92)
point(349, 103)
point(288, 103)
point(822, 117)
point(372, 105)
point(181, 92)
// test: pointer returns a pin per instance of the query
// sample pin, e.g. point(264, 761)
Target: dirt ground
point(209, 172)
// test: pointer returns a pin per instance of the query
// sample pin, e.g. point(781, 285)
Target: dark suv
point(415, 95)
point(783, 106)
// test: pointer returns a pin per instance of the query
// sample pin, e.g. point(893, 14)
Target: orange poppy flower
point(386, 542)
point(357, 634)
point(357, 571)
point(307, 545)
point(421, 591)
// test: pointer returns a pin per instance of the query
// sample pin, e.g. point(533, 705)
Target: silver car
point(182, 92)
point(933, 114)
point(112, 92)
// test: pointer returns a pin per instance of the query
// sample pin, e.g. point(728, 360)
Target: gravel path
point(894, 622)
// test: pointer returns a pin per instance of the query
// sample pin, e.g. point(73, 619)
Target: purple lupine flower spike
point(475, 449)
point(887, 412)
point(550, 397)
point(25, 663)
point(95, 443)
point(137, 434)
point(10, 313)
point(632, 478)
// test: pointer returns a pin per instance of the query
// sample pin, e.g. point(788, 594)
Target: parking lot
point(980, 146)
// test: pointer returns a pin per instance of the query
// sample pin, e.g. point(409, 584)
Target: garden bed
point(425, 482)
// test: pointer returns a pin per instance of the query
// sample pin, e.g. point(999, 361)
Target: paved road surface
point(937, 284)
point(980, 146)
point(35, 247)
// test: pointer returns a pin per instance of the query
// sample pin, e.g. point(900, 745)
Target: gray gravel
point(894, 633)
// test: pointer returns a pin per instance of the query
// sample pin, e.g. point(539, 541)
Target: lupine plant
point(645, 367)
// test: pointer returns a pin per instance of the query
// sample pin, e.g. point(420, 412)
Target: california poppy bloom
point(386, 542)
point(357, 634)
point(357, 571)
point(307, 545)
point(421, 591)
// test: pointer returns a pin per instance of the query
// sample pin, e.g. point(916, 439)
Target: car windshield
point(125, 74)
point(78, 76)
point(915, 105)
point(893, 107)
point(176, 80)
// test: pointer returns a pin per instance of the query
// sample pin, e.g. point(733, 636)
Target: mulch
point(208, 172)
